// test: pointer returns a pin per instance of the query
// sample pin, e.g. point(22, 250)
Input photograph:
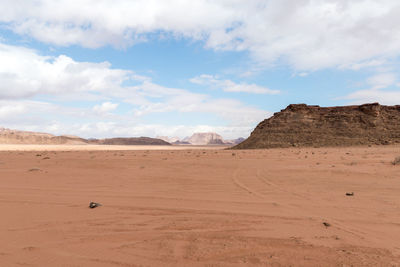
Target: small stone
point(93, 205)
point(326, 224)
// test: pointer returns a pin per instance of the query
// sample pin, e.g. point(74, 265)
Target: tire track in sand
point(236, 181)
point(338, 225)
point(264, 180)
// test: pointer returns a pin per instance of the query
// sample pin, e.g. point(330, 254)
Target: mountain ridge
point(8, 136)
point(201, 138)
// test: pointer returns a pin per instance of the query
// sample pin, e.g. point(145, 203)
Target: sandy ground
point(201, 207)
point(6, 147)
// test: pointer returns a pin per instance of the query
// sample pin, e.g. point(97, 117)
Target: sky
point(97, 68)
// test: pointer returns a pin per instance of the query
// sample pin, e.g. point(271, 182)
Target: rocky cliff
point(303, 125)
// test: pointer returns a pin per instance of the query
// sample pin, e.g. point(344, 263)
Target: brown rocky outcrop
point(303, 125)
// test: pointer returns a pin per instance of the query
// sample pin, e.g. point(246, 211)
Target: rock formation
point(130, 141)
point(303, 125)
point(179, 142)
point(167, 139)
point(205, 139)
point(202, 139)
point(235, 141)
point(8, 136)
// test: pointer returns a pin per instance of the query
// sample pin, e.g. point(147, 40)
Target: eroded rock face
point(303, 125)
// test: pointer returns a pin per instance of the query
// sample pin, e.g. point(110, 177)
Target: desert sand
point(200, 207)
point(36, 147)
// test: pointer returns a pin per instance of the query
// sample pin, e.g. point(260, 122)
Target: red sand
point(201, 207)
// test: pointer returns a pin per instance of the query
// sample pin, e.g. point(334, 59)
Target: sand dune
point(201, 207)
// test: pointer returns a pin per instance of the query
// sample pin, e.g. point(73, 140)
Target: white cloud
point(382, 80)
point(172, 99)
point(375, 93)
point(27, 112)
point(230, 86)
point(46, 117)
point(301, 74)
point(365, 64)
point(27, 75)
point(307, 35)
point(383, 97)
point(7, 111)
point(105, 107)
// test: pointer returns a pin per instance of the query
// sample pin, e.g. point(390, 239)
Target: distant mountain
point(235, 141)
point(205, 139)
point(169, 139)
point(8, 136)
point(202, 139)
point(181, 143)
point(130, 141)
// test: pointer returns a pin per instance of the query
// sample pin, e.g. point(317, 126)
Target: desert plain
point(200, 207)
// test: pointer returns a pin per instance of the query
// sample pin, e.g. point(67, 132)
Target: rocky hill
point(167, 139)
point(235, 141)
point(303, 125)
point(130, 141)
point(8, 136)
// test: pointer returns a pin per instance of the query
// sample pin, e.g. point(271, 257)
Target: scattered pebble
point(93, 205)
point(326, 224)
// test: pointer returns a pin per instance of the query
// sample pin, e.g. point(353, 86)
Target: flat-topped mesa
point(303, 125)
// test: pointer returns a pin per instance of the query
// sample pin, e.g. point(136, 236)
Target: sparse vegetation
point(396, 161)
